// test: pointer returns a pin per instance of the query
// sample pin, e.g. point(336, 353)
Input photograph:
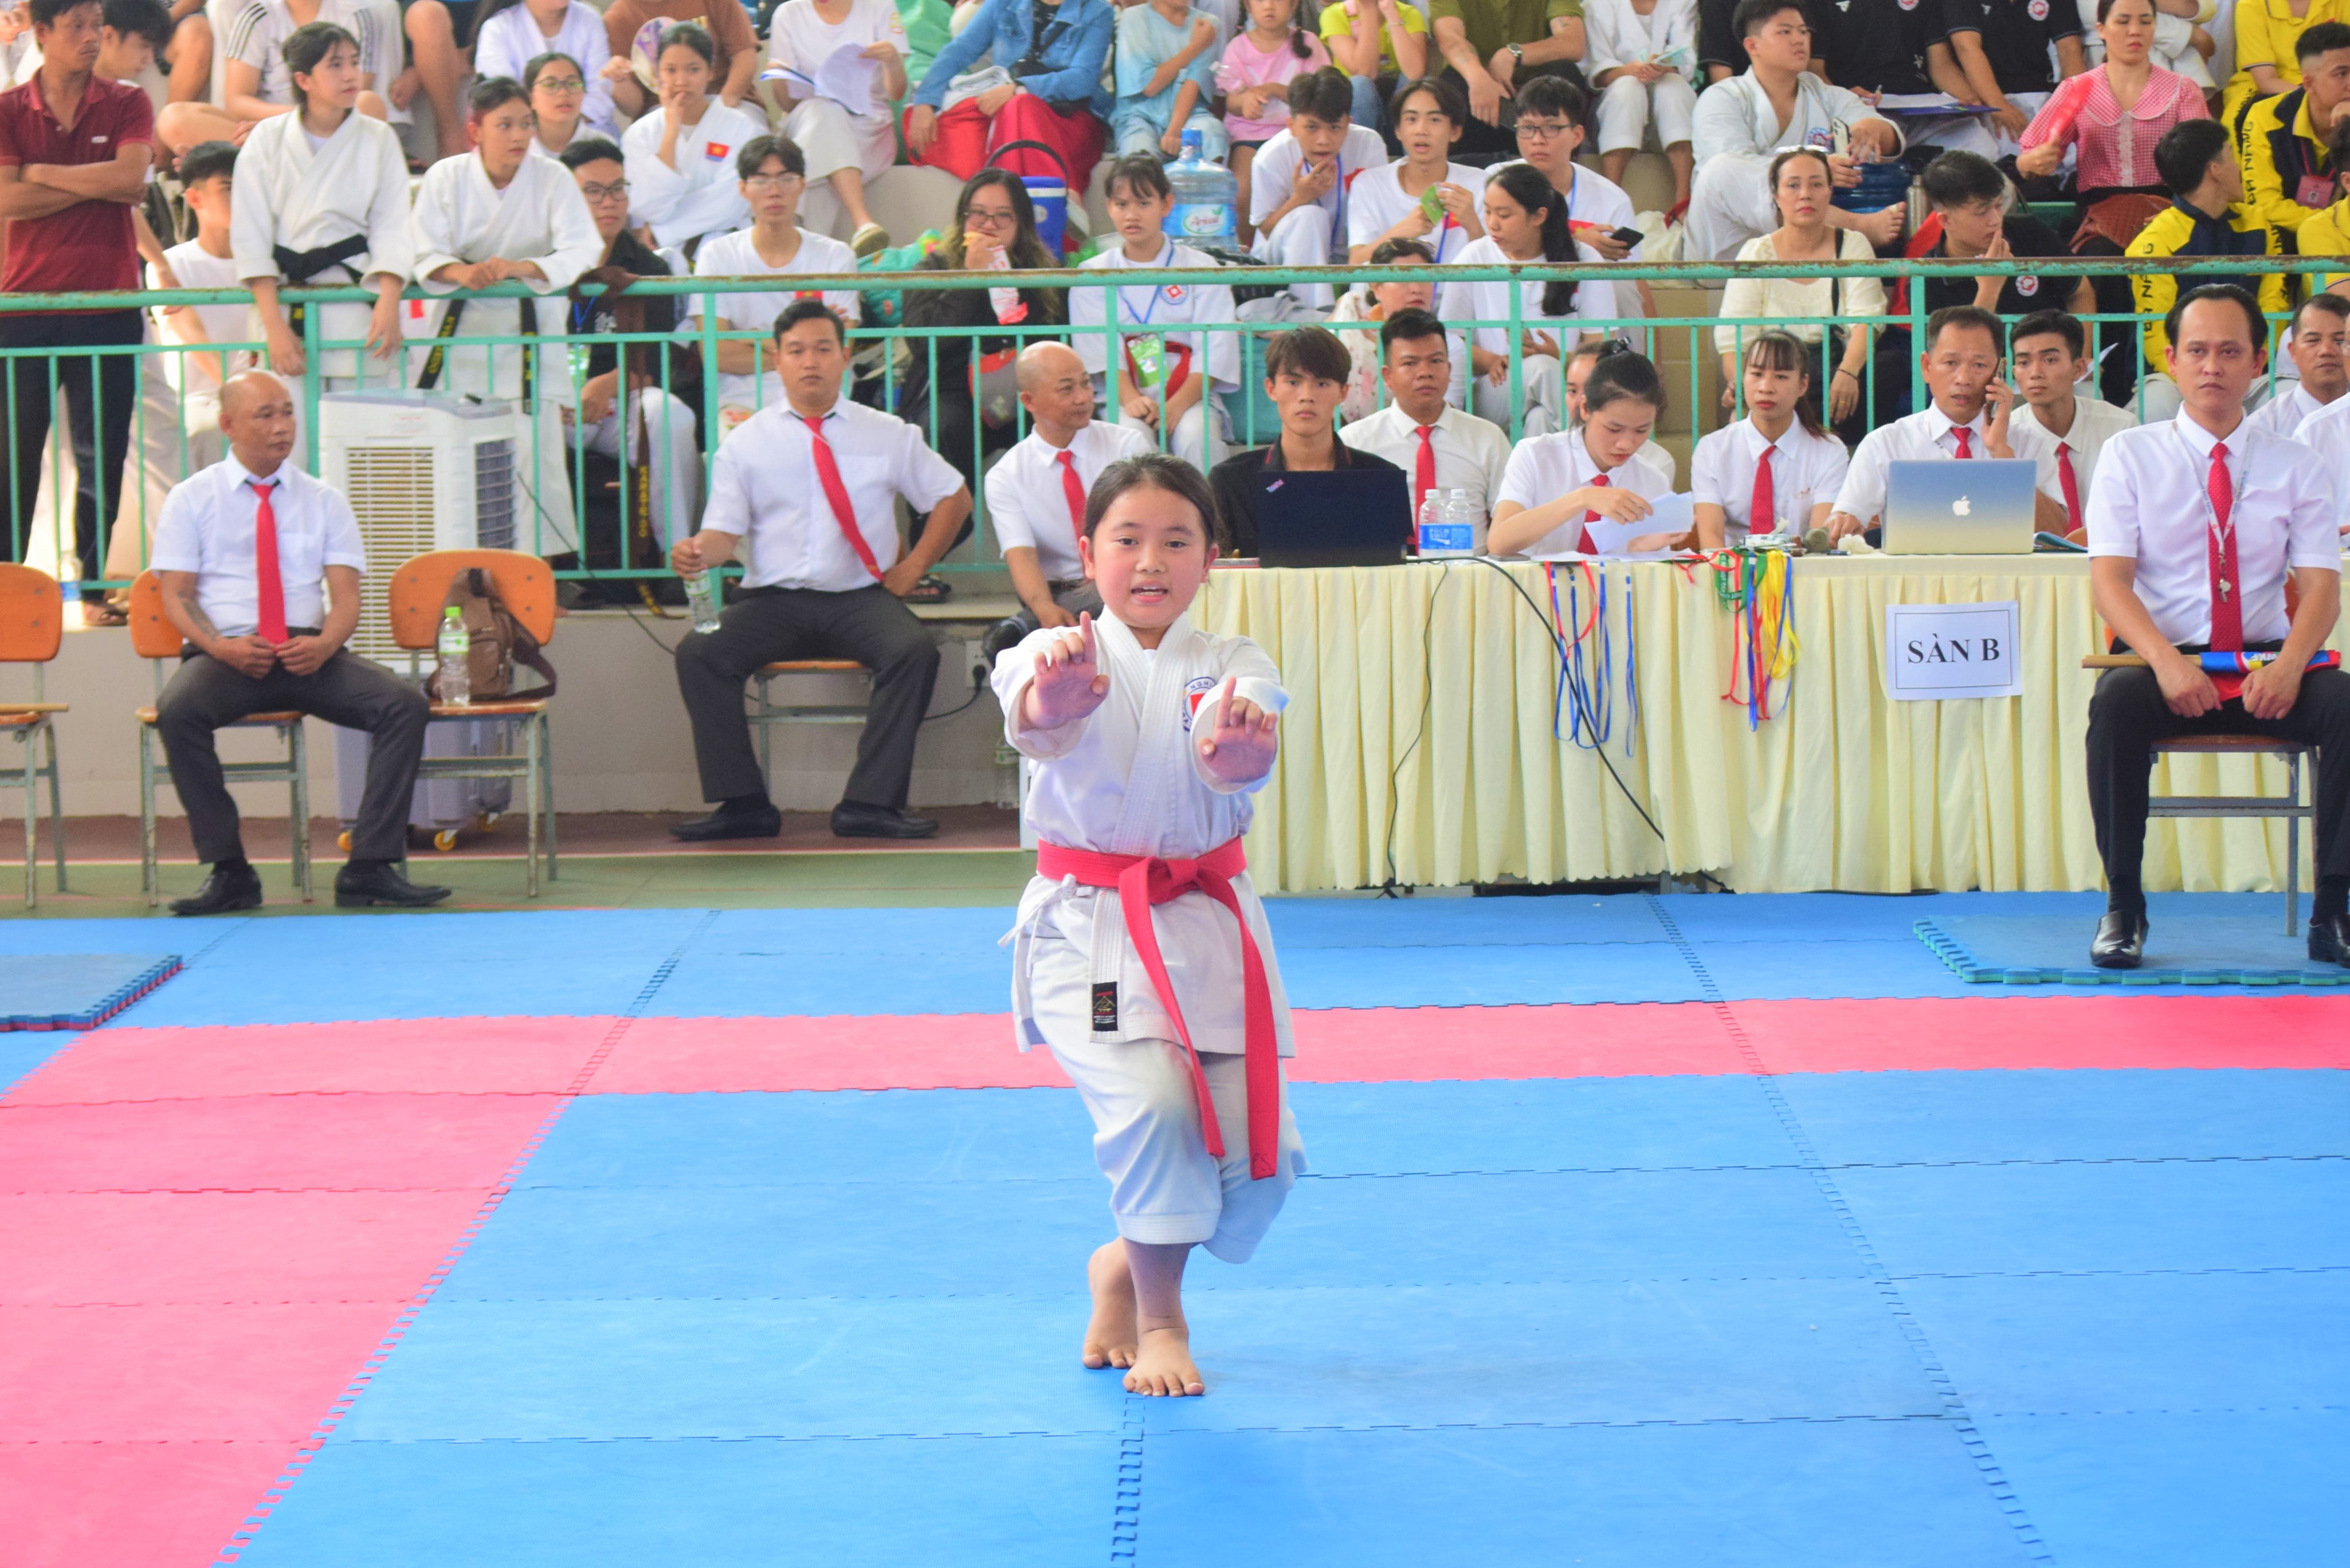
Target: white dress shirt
point(734, 255)
point(2328, 431)
point(764, 489)
point(1924, 436)
point(1028, 506)
point(2283, 413)
point(1806, 471)
point(2151, 506)
point(1545, 468)
point(1144, 311)
point(1375, 203)
point(206, 527)
point(1471, 454)
point(2094, 422)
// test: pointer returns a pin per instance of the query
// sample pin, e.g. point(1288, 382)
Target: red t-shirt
point(91, 245)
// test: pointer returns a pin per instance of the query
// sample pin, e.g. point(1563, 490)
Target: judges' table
point(1419, 744)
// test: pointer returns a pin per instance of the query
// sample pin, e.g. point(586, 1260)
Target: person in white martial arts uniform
point(1556, 486)
point(1299, 184)
point(1643, 65)
point(682, 178)
point(1036, 492)
point(501, 213)
point(1142, 956)
point(1772, 474)
point(849, 139)
point(321, 197)
point(1157, 375)
point(509, 35)
point(1777, 104)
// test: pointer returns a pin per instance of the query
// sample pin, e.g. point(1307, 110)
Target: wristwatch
point(1518, 53)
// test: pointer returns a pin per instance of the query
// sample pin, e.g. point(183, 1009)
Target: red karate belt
point(1144, 881)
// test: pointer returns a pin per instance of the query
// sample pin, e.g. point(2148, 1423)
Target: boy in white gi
point(1142, 956)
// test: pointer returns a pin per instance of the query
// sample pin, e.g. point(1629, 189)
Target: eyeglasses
point(1541, 130)
point(990, 217)
point(618, 191)
point(563, 84)
point(775, 181)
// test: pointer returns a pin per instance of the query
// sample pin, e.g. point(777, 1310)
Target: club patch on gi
point(1105, 1007)
point(1195, 692)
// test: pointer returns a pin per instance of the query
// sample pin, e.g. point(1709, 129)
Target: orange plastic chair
point(153, 637)
point(419, 589)
point(32, 626)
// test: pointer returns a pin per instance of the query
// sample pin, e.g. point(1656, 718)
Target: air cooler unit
point(424, 471)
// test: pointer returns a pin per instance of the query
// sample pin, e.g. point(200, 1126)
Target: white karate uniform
point(1617, 36)
point(1544, 468)
point(1126, 780)
point(288, 193)
point(831, 134)
point(701, 196)
point(1315, 235)
point(1200, 435)
point(1735, 135)
point(1027, 504)
point(510, 40)
point(1541, 377)
point(1806, 471)
point(539, 217)
point(735, 255)
point(1923, 437)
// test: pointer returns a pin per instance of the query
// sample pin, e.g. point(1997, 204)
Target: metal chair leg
point(57, 804)
point(147, 880)
point(297, 756)
point(530, 810)
point(30, 737)
point(2293, 846)
point(546, 785)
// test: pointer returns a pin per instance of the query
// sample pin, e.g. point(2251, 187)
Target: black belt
point(437, 358)
point(301, 266)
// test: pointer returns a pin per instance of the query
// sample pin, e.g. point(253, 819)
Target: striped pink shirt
point(2115, 146)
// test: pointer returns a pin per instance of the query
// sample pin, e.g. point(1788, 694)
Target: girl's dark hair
point(1388, 251)
point(1450, 100)
point(1141, 173)
point(1789, 156)
point(2104, 9)
point(1623, 374)
point(692, 36)
point(1028, 247)
point(311, 43)
point(491, 94)
point(1301, 42)
point(539, 63)
point(1152, 471)
point(1530, 188)
point(1777, 350)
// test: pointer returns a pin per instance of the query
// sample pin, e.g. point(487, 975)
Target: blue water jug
point(1207, 198)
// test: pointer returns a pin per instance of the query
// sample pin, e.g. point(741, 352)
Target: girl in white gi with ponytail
point(1142, 957)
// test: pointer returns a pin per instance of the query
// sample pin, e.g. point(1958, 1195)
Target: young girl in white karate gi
point(1142, 955)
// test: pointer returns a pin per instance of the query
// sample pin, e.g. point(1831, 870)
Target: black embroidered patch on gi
point(1106, 1007)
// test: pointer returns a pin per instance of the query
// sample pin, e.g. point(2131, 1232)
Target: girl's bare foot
point(1111, 1336)
point(1163, 1366)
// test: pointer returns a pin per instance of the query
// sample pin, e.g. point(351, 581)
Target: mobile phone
point(1632, 237)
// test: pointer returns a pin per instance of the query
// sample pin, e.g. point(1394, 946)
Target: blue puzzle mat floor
point(2046, 949)
point(76, 991)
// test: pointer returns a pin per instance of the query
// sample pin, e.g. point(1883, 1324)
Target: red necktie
point(1762, 513)
point(2072, 485)
point(269, 580)
point(1966, 449)
point(828, 473)
point(1586, 543)
point(2220, 545)
point(1072, 487)
point(1423, 468)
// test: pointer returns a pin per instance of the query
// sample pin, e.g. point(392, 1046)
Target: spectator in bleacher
point(2050, 355)
point(1580, 364)
point(1036, 492)
point(1419, 432)
point(682, 185)
point(951, 381)
point(2288, 163)
point(2207, 217)
point(1376, 44)
point(769, 177)
point(1775, 105)
point(1526, 221)
point(2326, 232)
point(1051, 52)
point(1305, 376)
point(846, 144)
point(1361, 314)
point(1800, 185)
point(1392, 202)
point(257, 80)
point(635, 29)
point(1166, 79)
point(2315, 341)
point(1549, 131)
point(1301, 180)
point(424, 51)
point(1869, 46)
point(652, 414)
point(1556, 486)
point(1718, 58)
point(1643, 63)
point(208, 180)
point(1773, 474)
point(2267, 62)
point(74, 155)
point(1968, 417)
point(2003, 47)
point(812, 484)
point(322, 198)
point(558, 89)
point(1163, 385)
point(1492, 48)
point(512, 37)
point(495, 215)
point(1255, 73)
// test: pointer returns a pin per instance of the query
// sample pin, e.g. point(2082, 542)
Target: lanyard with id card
point(1150, 359)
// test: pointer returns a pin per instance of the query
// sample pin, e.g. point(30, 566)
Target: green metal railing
point(557, 522)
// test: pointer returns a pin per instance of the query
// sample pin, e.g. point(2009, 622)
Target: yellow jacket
point(2326, 233)
point(2266, 32)
point(2180, 230)
point(2279, 149)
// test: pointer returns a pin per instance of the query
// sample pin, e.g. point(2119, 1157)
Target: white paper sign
point(1938, 651)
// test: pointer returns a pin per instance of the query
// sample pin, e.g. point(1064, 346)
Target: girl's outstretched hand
point(1241, 743)
point(1069, 683)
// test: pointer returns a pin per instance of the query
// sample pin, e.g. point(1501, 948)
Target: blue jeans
point(1368, 106)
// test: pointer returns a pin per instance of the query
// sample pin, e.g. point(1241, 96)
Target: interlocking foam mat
point(76, 991)
point(2040, 950)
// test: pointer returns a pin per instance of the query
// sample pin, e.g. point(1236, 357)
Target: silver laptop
point(1982, 506)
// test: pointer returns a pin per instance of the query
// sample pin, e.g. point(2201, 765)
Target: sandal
point(933, 589)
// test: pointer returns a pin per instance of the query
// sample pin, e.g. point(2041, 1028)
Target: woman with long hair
point(1773, 474)
point(558, 93)
point(1801, 186)
point(512, 36)
point(1526, 221)
point(682, 179)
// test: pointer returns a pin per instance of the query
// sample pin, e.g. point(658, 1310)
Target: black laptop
point(1342, 517)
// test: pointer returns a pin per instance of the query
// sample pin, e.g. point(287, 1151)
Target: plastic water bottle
point(703, 598)
point(1207, 197)
point(1446, 524)
point(455, 646)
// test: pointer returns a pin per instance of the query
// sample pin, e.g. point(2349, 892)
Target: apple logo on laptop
point(1961, 507)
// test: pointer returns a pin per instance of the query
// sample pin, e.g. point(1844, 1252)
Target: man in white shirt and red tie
point(1439, 446)
point(1968, 417)
point(809, 485)
point(260, 566)
point(2050, 354)
point(2195, 525)
point(1036, 492)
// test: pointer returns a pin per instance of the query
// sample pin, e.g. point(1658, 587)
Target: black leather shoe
point(356, 888)
point(2329, 938)
point(2121, 941)
point(225, 892)
point(765, 822)
point(855, 819)
point(1005, 634)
